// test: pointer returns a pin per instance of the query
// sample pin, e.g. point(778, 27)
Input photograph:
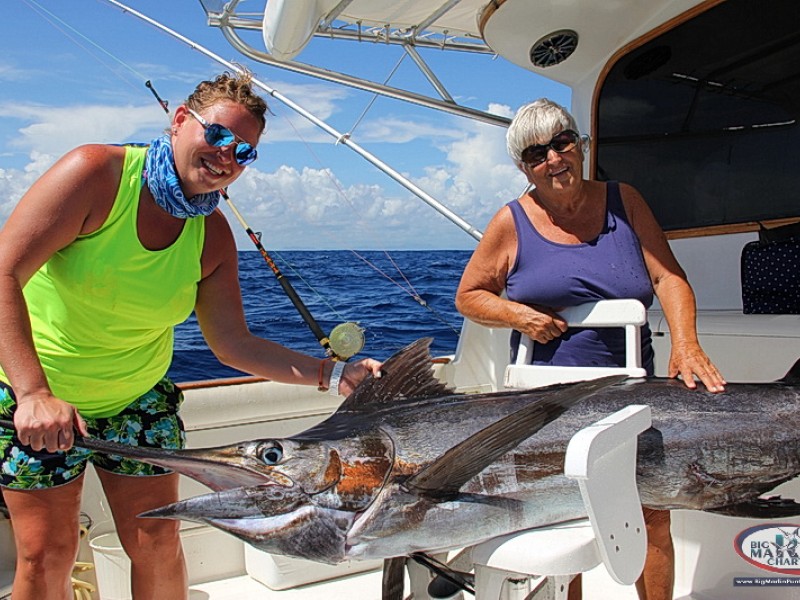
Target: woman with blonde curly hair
point(102, 257)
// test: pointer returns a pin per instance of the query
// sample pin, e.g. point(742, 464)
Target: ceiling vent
point(554, 48)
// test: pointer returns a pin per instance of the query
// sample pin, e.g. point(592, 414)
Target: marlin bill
point(407, 465)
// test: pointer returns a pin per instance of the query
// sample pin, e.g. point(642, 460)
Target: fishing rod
point(346, 339)
point(164, 103)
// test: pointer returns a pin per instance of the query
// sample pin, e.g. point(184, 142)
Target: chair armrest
point(627, 313)
point(602, 458)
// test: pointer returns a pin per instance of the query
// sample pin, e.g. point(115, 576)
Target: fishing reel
point(346, 340)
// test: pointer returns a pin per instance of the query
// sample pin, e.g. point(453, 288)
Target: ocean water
point(397, 297)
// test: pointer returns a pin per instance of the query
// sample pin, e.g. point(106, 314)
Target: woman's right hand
point(45, 422)
point(539, 323)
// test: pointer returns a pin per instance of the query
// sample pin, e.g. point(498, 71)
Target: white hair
point(536, 123)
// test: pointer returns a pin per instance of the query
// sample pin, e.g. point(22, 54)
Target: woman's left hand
point(355, 373)
point(688, 360)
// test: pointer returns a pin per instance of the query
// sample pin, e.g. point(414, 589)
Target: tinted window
point(703, 119)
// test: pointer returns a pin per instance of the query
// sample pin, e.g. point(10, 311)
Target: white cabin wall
point(712, 265)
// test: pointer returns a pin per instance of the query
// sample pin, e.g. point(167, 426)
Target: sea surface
point(396, 297)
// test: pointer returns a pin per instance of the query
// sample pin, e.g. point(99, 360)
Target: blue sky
point(74, 72)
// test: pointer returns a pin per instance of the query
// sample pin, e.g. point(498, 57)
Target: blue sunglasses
point(219, 136)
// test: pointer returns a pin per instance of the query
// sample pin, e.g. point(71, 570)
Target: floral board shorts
point(151, 420)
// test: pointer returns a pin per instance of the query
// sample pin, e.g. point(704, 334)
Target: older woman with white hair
point(569, 240)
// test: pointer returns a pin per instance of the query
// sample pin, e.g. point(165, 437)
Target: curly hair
point(235, 87)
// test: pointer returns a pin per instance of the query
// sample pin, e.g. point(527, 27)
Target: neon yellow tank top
point(103, 308)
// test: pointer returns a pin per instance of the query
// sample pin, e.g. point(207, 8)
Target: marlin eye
point(272, 453)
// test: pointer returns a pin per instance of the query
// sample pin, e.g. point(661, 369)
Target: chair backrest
point(602, 458)
point(627, 313)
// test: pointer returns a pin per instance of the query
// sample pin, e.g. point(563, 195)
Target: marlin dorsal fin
point(407, 375)
point(462, 462)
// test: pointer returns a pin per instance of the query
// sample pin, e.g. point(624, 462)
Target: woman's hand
point(688, 360)
point(46, 422)
point(355, 373)
point(539, 323)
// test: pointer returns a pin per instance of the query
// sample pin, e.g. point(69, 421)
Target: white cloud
point(13, 184)
point(285, 125)
point(401, 131)
point(309, 207)
point(54, 131)
point(478, 177)
point(10, 73)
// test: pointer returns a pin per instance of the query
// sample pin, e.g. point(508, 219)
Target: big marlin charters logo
point(773, 547)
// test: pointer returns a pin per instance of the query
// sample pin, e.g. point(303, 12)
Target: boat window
point(703, 119)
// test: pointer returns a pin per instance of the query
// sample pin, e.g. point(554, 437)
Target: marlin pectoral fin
point(462, 462)
point(773, 507)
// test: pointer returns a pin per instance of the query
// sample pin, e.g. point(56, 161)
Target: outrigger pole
point(341, 138)
point(346, 339)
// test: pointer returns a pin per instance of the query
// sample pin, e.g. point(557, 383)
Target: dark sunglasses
point(219, 136)
point(562, 142)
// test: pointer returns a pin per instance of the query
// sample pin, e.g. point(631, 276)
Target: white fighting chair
point(629, 314)
point(602, 458)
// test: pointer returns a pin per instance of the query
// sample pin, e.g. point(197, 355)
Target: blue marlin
point(406, 465)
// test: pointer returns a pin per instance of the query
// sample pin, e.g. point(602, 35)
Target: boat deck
point(243, 587)
point(367, 586)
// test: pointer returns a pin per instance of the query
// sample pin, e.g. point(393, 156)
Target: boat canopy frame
point(617, 152)
point(230, 22)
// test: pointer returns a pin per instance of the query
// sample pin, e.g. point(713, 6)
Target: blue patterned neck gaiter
point(162, 180)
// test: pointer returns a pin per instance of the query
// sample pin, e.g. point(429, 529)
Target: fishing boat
point(689, 101)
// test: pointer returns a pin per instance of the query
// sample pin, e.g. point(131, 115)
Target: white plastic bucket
point(112, 567)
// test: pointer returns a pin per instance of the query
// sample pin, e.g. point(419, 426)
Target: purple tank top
point(560, 275)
